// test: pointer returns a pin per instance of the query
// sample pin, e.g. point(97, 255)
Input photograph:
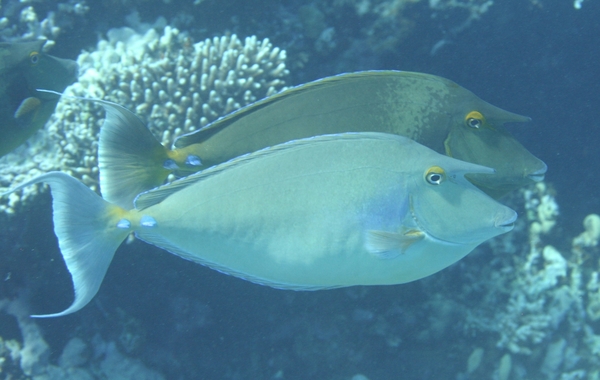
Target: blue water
point(537, 58)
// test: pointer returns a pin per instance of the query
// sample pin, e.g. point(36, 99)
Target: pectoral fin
point(387, 245)
point(27, 108)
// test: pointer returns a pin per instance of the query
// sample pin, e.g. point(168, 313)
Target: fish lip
point(508, 224)
point(538, 175)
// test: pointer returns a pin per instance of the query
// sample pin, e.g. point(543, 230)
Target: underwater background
point(525, 305)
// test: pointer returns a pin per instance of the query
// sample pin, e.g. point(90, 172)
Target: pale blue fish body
point(308, 226)
point(323, 212)
point(302, 229)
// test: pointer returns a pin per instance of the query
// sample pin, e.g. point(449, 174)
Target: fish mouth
point(538, 175)
point(506, 224)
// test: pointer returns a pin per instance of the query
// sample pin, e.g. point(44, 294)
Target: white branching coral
point(178, 86)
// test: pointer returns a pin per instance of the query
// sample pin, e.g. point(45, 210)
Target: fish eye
point(34, 57)
point(435, 175)
point(474, 119)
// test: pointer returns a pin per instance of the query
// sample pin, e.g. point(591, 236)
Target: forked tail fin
point(88, 232)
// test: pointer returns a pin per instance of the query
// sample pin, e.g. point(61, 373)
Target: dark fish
point(431, 110)
point(24, 68)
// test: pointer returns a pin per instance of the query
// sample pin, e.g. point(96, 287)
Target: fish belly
point(282, 234)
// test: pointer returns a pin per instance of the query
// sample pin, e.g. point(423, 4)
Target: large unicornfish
point(428, 109)
point(317, 213)
point(24, 68)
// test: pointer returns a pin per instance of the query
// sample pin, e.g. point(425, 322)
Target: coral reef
point(384, 24)
point(549, 323)
point(19, 20)
point(79, 360)
point(172, 83)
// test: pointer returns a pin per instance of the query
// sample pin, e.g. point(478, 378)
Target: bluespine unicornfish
point(315, 213)
point(431, 110)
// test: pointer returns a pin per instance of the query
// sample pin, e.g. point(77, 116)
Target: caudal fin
point(130, 159)
point(88, 234)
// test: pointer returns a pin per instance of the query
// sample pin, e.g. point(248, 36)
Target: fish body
point(24, 68)
point(431, 110)
point(316, 213)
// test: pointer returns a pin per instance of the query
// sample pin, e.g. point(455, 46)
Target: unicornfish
point(24, 68)
point(316, 213)
point(429, 109)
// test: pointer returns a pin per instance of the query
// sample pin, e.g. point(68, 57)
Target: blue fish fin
point(387, 245)
point(130, 158)
point(27, 108)
point(87, 240)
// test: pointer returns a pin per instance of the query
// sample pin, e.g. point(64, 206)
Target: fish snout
point(538, 175)
point(505, 220)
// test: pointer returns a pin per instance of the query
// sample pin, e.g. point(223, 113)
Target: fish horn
point(82, 222)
